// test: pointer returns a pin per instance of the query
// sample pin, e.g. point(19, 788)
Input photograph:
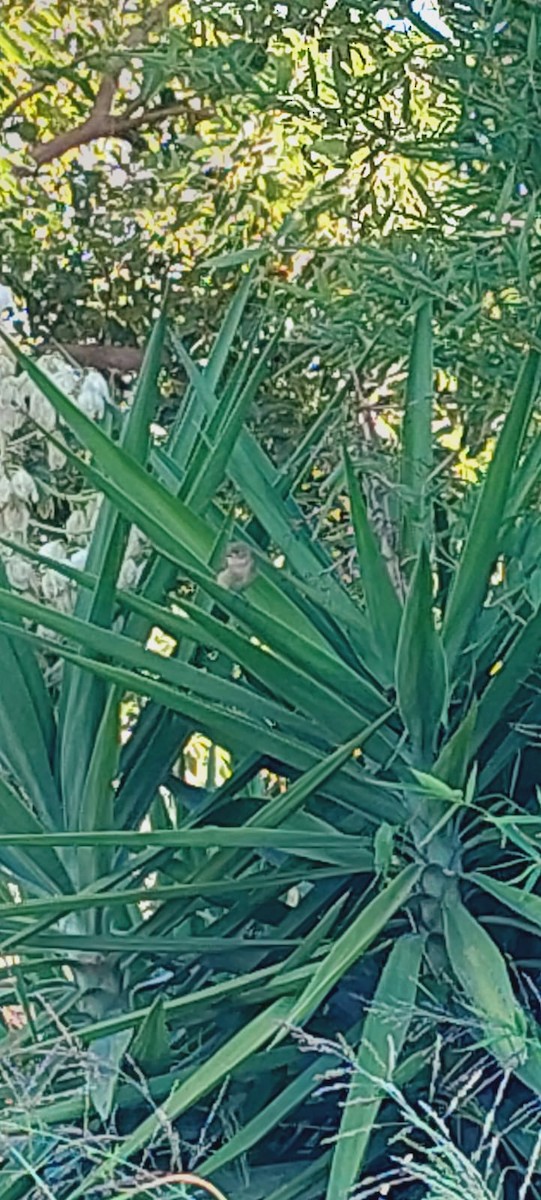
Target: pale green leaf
point(421, 669)
point(384, 1033)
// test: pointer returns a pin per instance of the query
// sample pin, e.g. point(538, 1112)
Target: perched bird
point(239, 568)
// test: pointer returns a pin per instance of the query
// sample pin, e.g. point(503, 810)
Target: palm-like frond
point(264, 896)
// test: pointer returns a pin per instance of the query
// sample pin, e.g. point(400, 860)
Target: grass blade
point(383, 605)
point(384, 1033)
point(484, 538)
point(417, 437)
point(421, 671)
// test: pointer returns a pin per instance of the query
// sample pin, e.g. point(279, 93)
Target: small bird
point(239, 569)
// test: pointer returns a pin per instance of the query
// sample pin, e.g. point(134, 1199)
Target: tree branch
point(97, 125)
point(104, 358)
point(24, 96)
point(100, 125)
point(101, 122)
point(153, 116)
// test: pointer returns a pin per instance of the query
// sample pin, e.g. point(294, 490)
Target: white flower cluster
point(20, 397)
point(23, 404)
point(37, 581)
point(17, 491)
point(27, 498)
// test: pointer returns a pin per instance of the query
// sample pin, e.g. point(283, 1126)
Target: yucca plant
point(359, 871)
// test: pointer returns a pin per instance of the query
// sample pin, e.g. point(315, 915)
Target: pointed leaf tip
point(421, 670)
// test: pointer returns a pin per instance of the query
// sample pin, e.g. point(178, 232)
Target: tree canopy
point(140, 142)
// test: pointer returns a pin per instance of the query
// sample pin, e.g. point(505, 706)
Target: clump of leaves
point(380, 820)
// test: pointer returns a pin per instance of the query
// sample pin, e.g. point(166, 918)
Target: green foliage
point(385, 1031)
point(360, 162)
point(421, 668)
point(182, 929)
